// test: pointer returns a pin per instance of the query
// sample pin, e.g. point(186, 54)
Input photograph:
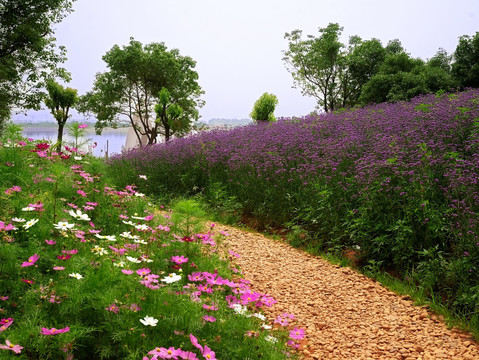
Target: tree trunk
point(60, 136)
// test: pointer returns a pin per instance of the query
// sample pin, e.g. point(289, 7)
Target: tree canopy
point(263, 109)
point(368, 72)
point(466, 61)
point(60, 100)
point(131, 88)
point(28, 54)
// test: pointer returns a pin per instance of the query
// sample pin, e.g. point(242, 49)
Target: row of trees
point(365, 71)
point(154, 88)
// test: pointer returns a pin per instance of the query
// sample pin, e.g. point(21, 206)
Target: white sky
point(238, 44)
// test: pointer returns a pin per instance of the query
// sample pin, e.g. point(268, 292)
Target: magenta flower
point(179, 259)
point(195, 343)
point(143, 272)
point(31, 260)
point(209, 318)
point(297, 334)
point(208, 353)
point(212, 307)
point(5, 323)
point(54, 331)
point(50, 242)
point(64, 257)
point(17, 349)
point(170, 353)
point(113, 308)
point(188, 355)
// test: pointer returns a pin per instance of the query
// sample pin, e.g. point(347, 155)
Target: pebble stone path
point(346, 315)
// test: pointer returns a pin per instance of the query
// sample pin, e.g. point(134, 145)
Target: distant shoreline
point(89, 130)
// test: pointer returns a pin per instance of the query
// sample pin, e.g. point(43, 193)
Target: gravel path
point(346, 314)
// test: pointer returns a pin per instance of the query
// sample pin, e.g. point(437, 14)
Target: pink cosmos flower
point(209, 318)
point(17, 349)
point(31, 260)
point(143, 272)
point(28, 281)
point(64, 257)
point(127, 272)
point(292, 344)
point(58, 268)
point(5, 323)
point(70, 252)
point(81, 192)
point(113, 308)
point(170, 353)
point(50, 242)
point(4, 298)
point(54, 331)
point(297, 334)
point(195, 343)
point(212, 307)
point(179, 259)
point(268, 300)
point(134, 307)
point(188, 355)
point(234, 253)
point(208, 353)
point(82, 126)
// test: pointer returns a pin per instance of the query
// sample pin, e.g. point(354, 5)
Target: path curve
point(346, 314)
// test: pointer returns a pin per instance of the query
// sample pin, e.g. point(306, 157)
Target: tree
point(263, 109)
point(465, 68)
point(28, 54)
point(131, 88)
point(60, 100)
point(169, 116)
point(317, 64)
point(401, 77)
point(363, 61)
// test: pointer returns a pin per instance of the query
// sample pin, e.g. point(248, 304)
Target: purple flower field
point(397, 181)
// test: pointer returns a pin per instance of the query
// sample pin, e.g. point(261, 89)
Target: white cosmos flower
point(171, 278)
point(271, 339)
point(28, 208)
point(18, 219)
point(149, 321)
point(139, 194)
point(77, 157)
point(239, 309)
point(76, 276)
point(140, 241)
point(145, 259)
point(141, 227)
point(137, 217)
point(128, 222)
point(142, 177)
point(99, 250)
point(260, 316)
point(266, 327)
point(119, 264)
point(125, 234)
point(63, 225)
point(106, 237)
point(79, 215)
point(133, 260)
point(30, 223)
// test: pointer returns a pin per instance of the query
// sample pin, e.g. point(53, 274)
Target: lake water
point(111, 140)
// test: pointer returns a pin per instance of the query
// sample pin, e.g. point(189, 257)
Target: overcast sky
point(238, 44)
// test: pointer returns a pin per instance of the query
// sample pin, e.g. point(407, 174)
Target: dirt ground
point(346, 315)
